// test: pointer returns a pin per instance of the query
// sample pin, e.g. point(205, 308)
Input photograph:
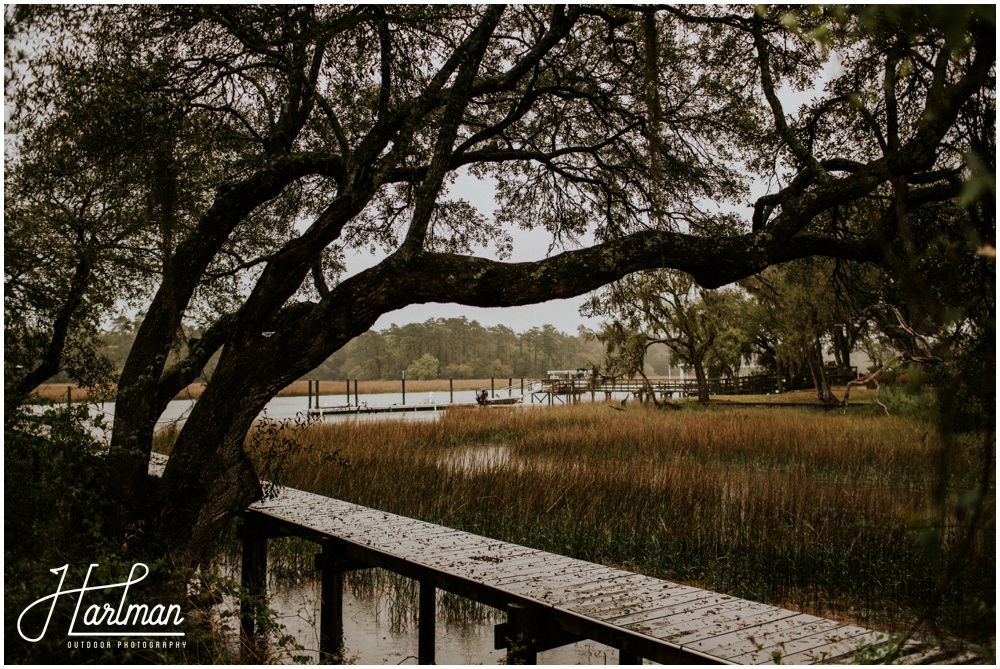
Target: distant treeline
point(461, 349)
point(442, 348)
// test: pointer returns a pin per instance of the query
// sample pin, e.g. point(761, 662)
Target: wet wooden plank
point(559, 594)
point(698, 620)
point(687, 599)
point(614, 581)
point(536, 589)
point(674, 600)
point(845, 650)
point(808, 645)
point(356, 519)
point(727, 621)
point(767, 635)
point(449, 551)
point(541, 563)
point(348, 515)
point(540, 571)
point(482, 571)
point(607, 583)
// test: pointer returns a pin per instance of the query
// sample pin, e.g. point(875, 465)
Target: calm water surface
point(371, 638)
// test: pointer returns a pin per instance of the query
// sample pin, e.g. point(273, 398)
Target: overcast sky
point(528, 245)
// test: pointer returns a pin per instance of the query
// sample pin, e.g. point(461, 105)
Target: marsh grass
point(796, 507)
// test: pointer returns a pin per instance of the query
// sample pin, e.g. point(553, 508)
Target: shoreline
point(56, 392)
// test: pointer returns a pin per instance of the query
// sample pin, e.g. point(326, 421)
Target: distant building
point(581, 373)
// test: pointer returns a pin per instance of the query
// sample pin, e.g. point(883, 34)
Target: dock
point(551, 600)
point(350, 409)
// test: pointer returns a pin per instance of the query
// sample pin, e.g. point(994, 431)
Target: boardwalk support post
point(625, 657)
point(518, 634)
point(529, 632)
point(331, 566)
point(331, 612)
point(426, 621)
point(253, 578)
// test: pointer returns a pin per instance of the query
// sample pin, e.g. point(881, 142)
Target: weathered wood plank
point(605, 582)
point(560, 594)
point(727, 621)
point(674, 600)
point(810, 644)
point(762, 636)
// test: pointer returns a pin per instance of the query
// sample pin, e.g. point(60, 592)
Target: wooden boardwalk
point(551, 599)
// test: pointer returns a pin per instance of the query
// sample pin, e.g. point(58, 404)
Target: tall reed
point(814, 510)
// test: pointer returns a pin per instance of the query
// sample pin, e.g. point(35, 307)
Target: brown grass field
point(819, 511)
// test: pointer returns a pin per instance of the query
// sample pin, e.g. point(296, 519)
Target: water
point(295, 407)
point(373, 636)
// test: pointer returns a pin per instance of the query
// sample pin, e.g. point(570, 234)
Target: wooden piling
point(310, 392)
point(426, 622)
point(451, 390)
point(69, 396)
point(492, 388)
point(404, 386)
point(253, 578)
point(331, 614)
point(348, 399)
point(625, 657)
point(520, 627)
point(356, 403)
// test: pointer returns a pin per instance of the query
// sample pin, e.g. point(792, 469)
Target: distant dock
point(351, 409)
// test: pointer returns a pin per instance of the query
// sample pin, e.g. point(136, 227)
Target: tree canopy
point(213, 165)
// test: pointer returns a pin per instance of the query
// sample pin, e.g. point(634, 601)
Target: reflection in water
point(375, 635)
point(477, 458)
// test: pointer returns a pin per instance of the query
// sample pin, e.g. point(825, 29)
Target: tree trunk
point(815, 361)
point(699, 374)
point(209, 477)
point(841, 347)
point(137, 407)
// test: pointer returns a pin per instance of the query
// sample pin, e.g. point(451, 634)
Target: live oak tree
point(665, 307)
point(799, 310)
point(257, 144)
